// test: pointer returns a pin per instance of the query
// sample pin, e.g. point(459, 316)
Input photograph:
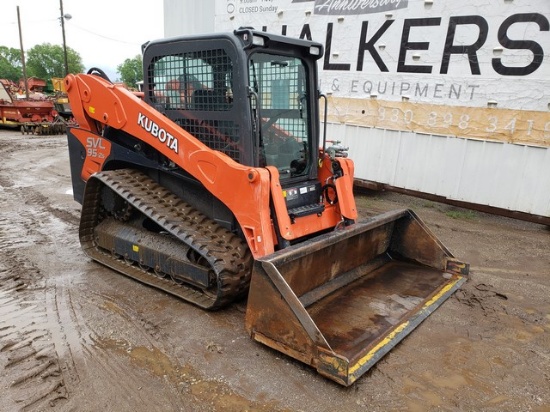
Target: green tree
point(46, 61)
point(10, 64)
point(131, 71)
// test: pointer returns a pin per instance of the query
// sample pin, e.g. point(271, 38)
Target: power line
point(71, 24)
point(34, 22)
point(102, 36)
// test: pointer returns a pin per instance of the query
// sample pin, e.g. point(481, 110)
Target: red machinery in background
point(32, 112)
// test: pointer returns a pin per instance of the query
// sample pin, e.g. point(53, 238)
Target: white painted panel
point(535, 187)
point(490, 190)
point(509, 161)
point(467, 186)
point(434, 162)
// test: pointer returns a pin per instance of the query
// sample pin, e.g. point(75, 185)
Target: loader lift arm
point(103, 103)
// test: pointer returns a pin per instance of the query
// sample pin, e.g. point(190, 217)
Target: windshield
point(281, 87)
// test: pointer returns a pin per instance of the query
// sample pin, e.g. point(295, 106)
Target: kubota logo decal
point(158, 132)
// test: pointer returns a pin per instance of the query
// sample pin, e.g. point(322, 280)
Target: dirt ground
point(75, 336)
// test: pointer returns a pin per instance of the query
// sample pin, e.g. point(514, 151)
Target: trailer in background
point(30, 115)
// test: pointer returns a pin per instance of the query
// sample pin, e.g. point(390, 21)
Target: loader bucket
point(341, 301)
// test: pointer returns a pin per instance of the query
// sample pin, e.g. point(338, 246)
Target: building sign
point(443, 62)
point(350, 7)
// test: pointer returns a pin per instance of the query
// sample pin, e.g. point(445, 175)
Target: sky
point(103, 32)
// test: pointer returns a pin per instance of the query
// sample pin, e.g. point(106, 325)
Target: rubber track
point(227, 255)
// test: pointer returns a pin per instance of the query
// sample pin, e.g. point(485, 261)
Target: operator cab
point(248, 94)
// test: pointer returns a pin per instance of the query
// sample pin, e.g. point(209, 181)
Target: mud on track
point(77, 336)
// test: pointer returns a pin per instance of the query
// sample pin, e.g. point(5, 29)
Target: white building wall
point(186, 17)
point(481, 138)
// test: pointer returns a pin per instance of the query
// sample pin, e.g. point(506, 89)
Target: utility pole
point(22, 54)
point(68, 16)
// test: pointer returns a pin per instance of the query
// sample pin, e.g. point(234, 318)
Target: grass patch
point(367, 201)
point(461, 214)
point(428, 204)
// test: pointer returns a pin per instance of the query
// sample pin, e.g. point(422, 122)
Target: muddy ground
point(75, 336)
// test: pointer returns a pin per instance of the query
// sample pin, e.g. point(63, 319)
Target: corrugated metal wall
point(508, 176)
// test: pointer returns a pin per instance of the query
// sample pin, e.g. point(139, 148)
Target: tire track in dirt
point(28, 359)
point(31, 374)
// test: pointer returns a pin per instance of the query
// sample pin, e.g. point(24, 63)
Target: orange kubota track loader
point(214, 186)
